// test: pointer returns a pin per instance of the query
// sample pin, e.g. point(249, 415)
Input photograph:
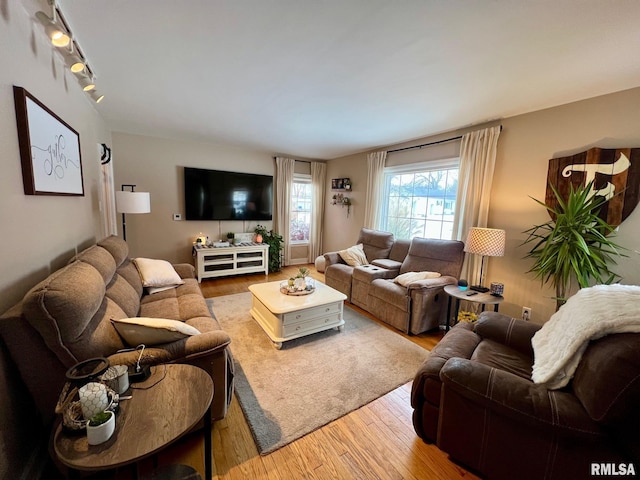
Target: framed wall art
point(49, 149)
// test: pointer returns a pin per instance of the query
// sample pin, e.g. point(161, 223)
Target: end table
point(471, 296)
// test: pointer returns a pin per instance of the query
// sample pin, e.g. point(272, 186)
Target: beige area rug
point(313, 380)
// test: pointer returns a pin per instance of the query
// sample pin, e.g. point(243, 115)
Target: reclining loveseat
point(375, 285)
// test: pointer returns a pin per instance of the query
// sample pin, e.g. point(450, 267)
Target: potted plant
point(230, 237)
point(574, 244)
point(275, 242)
point(100, 427)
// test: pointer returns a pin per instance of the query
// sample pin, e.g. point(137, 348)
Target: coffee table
point(162, 409)
point(285, 317)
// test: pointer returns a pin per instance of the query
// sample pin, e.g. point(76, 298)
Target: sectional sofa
point(383, 284)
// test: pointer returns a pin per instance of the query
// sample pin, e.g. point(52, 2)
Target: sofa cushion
point(497, 355)
point(117, 247)
point(387, 263)
point(354, 256)
point(376, 244)
point(444, 256)
point(100, 259)
point(152, 331)
point(391, 293)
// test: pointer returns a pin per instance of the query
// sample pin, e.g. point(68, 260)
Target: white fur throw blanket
point(590, 314)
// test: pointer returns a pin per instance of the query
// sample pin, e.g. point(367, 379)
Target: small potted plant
point(230, 237)
point(100, 427)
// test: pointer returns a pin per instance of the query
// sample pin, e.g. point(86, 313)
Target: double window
point(420, 199)
point(300, 213)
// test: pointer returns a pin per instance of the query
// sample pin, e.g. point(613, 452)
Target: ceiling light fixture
point(97, 97)
point(57, 29)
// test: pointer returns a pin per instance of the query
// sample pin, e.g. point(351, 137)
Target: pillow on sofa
point(354, 256)
point(409, 277)
point(157, 275)
point(152, 331)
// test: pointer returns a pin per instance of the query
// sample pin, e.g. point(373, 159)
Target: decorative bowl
point(299, 286)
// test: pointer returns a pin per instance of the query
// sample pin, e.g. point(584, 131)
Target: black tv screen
point(220, 195)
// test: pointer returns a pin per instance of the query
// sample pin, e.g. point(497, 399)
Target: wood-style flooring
point(376, 441)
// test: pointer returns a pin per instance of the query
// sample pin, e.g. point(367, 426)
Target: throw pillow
point(409, 277)
point(152, 331)
point(157, 275)
point(354, 256)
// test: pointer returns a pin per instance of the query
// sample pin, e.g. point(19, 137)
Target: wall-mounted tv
point(221, 195)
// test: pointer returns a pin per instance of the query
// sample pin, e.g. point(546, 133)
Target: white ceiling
point(326, 78)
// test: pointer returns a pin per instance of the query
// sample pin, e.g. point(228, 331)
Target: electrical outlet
point(177, 216)
point(526, 313)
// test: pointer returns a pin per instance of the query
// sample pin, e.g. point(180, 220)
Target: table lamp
point(131, 202)
point(486, 242)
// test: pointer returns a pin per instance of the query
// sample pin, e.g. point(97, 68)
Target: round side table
point(471, 296)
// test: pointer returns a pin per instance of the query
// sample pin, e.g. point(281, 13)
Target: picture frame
point(49, 149)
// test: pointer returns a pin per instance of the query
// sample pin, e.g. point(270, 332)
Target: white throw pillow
point(157, 273)
point(152, 331)
point(354, 256)
point(409, 277)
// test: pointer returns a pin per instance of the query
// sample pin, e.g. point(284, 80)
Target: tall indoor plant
point(574, 244)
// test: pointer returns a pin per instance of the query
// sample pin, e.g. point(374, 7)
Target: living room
point(42, 232)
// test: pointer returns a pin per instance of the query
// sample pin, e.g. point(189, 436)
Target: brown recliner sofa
point(415, 308)
point(474, 397)
point(66, 319)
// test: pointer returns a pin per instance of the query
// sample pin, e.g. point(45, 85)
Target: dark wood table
point(162, 409)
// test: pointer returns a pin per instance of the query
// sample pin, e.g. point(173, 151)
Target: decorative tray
point(300, 286)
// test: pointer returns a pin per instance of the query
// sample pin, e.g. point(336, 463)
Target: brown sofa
point(66, 318)
point(474, 397)
point(413, 309)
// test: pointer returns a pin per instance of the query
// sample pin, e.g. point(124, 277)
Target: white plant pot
point(103, 432)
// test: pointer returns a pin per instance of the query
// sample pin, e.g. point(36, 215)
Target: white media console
point(247, 257)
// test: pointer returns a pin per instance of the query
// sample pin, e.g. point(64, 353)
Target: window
point(420, 199)
point(300, 215)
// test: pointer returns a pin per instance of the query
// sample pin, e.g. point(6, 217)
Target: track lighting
point(57, 29)
point(59, 37)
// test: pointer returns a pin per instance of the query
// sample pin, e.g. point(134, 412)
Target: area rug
point(313, 380)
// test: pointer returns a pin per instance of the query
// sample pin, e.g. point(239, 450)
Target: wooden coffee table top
point(146, 423)
point(277, 302)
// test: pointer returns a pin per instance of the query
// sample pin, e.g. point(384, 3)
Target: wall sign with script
point(49, 149)
point(615, 174)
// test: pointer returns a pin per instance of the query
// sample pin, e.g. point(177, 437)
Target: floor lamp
point(131, 202)
point(488, 242)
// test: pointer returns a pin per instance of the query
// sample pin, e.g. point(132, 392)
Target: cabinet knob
point(298, 327)
point(327, 310)
point(298, 317)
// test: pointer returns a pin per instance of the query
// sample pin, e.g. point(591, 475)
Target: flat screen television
point(221, 195)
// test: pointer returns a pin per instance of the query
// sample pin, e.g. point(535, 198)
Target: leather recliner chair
point(474, 397)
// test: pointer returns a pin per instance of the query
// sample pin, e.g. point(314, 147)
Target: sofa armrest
point(185, 270)
point(512, 332)
point(331, 258)
point(175, 352)
point(516, 398)
point(431, 283)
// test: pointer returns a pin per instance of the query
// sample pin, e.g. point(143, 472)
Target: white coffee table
point(285, 317)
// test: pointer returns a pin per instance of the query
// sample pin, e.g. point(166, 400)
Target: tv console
point(247, 257)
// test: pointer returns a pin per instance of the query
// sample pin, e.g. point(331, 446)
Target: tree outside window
point(420, 202)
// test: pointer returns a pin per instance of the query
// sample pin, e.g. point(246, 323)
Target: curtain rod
point(429, 144)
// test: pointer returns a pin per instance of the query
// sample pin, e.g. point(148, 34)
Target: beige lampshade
point(133, 202)
point(486, 241)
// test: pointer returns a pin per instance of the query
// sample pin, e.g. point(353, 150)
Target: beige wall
point(156, 165)
point(39, 233)
point(526, 144)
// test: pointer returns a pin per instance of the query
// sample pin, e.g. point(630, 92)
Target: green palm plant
point(574, 244)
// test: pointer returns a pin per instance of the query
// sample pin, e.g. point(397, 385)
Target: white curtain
point(375, 186)
point(284, 182)
point(318, 182)
point(477, 162)
point(107, 192)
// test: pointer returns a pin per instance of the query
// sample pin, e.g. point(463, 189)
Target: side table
point(162, 409)
point(471, 296)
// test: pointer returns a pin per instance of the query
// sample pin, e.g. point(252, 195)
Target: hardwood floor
point(376, 441)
